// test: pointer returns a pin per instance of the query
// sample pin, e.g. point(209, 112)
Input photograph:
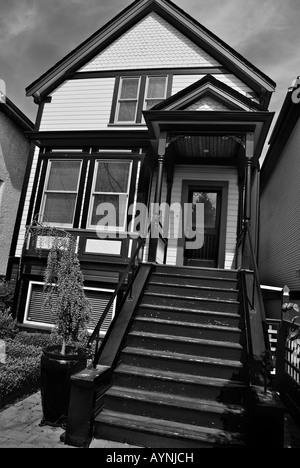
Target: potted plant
point(71, 312)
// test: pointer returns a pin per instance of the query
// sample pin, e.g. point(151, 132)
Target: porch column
point(248, 175)
point(246, 257)
point(162, 144)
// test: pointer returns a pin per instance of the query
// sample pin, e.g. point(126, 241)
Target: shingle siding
point(151, 43)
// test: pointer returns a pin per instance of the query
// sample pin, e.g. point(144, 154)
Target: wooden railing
point(287, 380)
point(256, 327)
point(127, 277)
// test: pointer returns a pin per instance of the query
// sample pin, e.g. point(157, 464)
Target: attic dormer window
point(136, 94)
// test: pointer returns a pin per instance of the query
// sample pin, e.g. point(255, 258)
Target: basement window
point(36, 317)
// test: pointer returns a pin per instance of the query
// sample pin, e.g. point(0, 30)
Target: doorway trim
point(211, 185)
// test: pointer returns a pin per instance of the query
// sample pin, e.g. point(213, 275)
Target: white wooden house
point(152, 108)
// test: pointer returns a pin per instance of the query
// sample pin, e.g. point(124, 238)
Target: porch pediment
point(209, 94)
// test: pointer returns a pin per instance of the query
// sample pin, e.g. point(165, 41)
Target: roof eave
point(19, 118)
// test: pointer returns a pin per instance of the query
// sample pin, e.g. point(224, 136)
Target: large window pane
point(63, 176)
point(156, 87)
point(156, 91)
point(113, 209)
point(127, 111)
point(112, 177)
point(60, 195)
point(109, 201)
point(129, 88)
point(59, 208)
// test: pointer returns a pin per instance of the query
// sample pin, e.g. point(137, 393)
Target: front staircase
point(180, 378)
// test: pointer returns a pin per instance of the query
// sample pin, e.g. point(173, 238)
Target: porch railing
point(127, 278)
point(256, 327)
point(288, 359)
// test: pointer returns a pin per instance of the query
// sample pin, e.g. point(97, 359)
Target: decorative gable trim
point(225, 97)
point(207, 103)
point(216, 48)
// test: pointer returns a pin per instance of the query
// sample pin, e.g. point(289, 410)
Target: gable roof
point(209, 86)
point(121, 23)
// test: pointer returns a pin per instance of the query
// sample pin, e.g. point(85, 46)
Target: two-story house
point(153, 110)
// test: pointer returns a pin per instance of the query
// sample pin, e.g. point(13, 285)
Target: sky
point(36, 34)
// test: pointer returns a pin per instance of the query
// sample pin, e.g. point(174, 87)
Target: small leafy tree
point(63, 289)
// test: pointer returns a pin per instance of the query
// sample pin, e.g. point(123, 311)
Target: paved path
point(19, 428)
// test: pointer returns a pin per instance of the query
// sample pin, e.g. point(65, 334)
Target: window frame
point(147, 88)
point(141, 100)
point(93, 193)
point(45, 191)
point(121, 100)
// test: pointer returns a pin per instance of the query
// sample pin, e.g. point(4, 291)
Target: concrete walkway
point(19, 428)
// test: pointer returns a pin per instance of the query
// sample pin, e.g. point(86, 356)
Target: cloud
point(35, 34)
point(20, 18)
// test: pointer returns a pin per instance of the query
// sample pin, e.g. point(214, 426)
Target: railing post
point(285, 297)
point(249, 151)
point(280, 345)
point(157, 198)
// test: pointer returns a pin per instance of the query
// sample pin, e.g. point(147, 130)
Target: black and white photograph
point(150, 226)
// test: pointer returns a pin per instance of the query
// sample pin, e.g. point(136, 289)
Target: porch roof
point(218, 132)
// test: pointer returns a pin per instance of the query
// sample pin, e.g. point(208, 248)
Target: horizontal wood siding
point(79, 105)
point(209, 173)
point(279, 245)
point(86, 104)
point(22, 230)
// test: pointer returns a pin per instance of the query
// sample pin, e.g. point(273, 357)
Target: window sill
point(127, 125)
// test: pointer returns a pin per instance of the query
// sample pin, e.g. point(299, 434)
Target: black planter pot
point(56, 372)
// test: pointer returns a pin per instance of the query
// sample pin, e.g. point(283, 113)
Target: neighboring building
point(14, 152)
point(279, 248)
point(153, 108)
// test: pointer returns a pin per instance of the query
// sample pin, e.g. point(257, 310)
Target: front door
point(207, 254)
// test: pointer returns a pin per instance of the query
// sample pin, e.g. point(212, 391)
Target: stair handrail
point(256, 330)
point(95, 336)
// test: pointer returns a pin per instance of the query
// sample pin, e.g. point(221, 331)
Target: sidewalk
point(19, 428)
